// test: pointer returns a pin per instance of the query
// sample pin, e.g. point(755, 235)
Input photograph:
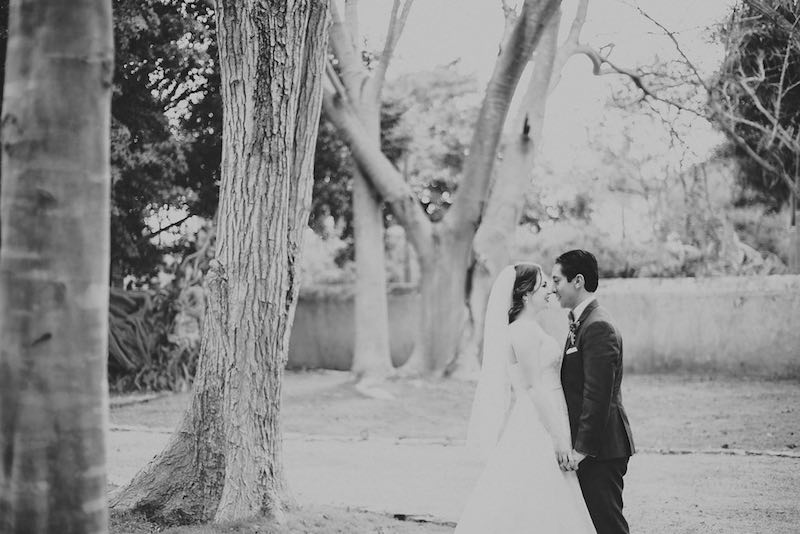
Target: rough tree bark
point(444, 248)
point(362, 89)
point(54, 267)
point(225, 461)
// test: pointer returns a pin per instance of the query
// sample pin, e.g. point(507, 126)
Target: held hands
point(570, 461)
point(562, 456)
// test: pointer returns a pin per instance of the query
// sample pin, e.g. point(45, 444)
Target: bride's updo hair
point(529, 278)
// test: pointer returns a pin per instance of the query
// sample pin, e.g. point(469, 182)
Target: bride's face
point(538, 300)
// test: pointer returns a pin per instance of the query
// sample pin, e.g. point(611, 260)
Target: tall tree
point(444, 248)
point(54, 267)
point(756, 102)
point(752, 98)
point(225, 460)
point(361, 87)
point(493, 243)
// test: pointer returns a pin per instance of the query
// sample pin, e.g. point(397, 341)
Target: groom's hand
point(575, 459)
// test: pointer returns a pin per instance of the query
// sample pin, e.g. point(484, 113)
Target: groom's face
point(565, 292)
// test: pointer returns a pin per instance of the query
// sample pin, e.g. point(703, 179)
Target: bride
point(522, 489)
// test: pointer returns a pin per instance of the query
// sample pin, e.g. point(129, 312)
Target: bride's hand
point(562, 456)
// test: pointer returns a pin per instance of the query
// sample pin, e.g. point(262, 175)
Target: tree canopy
point(164, 59)
point(756, 98)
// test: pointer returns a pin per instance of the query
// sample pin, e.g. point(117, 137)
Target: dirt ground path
point(382, 468)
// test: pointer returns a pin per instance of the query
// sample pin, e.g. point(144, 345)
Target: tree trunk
point(443, 277)
point(225, 461)
point(444, 248)
point(495, 238)
point(441, 339)
point(359, 101)
point(794, 235)
point(54, 267)
point(371, 357)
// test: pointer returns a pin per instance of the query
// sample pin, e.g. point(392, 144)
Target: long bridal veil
point(493, 393)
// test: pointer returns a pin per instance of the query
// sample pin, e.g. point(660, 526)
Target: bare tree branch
point(637, 78)
point(777, 131)
point(775, 17)
point(467, 208)
point(382, 174)
point(523, 138)
point(397, 22)
point(737, 120)
point(392, 22)
point(729, 127)
point(351, 18)
point(596, 59)
point(678, 47)
point(674, 135)
point(748, 103)
point(165, 228)
point(570, 45)
point(349, 60)
point(782, 80)
point(338, 87)
point(574, 35)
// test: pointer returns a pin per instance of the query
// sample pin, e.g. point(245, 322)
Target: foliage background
point(643, 213)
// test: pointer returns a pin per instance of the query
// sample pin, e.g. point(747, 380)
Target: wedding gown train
point(522, 489)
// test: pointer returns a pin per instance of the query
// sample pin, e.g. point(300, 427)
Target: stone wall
point(732, 325)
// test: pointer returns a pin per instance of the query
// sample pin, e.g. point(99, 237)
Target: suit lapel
point(581, 320)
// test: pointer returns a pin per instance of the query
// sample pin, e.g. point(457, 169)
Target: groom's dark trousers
point(591, 375)
point(601, 484)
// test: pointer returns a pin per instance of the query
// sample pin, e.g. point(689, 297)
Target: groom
point(591, 372)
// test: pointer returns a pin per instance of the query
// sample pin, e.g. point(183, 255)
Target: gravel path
point(665, 493)
point(406, 455)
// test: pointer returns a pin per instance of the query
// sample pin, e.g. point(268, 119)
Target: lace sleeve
point(535, 372)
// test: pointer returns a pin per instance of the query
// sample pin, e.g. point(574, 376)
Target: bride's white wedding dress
point(522, 489)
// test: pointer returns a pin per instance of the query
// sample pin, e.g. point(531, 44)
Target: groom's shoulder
point(600, 311)
point(603, 323)
point(599, 314)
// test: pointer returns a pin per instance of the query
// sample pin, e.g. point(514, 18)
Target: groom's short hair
point(582, 262)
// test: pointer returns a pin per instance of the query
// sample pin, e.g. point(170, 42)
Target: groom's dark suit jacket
point(591, 377)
